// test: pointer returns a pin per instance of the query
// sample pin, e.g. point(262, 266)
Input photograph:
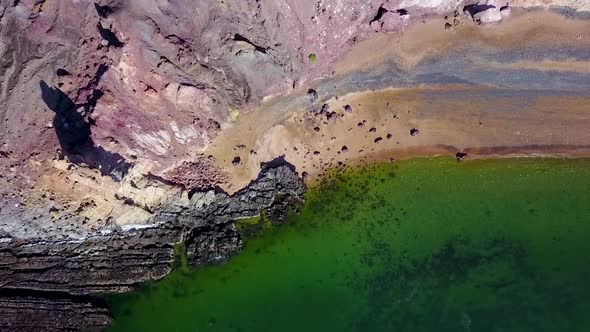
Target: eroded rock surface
point(115, 260)
point(51, 311)
point(122, 81)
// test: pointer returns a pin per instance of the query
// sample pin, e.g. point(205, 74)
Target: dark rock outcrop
point(71, 270)
point(50, 311)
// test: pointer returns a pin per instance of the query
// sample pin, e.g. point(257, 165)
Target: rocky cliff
point(50, 279)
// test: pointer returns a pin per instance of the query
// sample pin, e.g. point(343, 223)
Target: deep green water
point(421, 245)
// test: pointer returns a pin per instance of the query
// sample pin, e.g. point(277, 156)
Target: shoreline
point(64, 274)
point(92, 305)
point(473, 119)
point(316, 178)
point(520, 82)
point(412, 183)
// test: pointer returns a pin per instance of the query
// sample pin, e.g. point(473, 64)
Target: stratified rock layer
point(118, 260)
point(47, 311)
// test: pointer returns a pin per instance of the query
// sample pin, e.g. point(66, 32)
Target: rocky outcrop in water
point(49, 275)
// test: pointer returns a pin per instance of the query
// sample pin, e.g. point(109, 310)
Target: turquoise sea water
point(420, 245)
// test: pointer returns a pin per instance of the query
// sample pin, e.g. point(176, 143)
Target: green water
point(421, 245)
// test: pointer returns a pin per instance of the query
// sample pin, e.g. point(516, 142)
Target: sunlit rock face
point(98, 95)
point(159, 80)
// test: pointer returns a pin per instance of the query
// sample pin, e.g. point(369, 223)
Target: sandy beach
point(361, 116)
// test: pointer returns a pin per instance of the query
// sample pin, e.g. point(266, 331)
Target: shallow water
point(421, 245)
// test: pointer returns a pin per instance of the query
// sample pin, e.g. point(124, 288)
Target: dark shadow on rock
point(70, 126)
point(277, 162)
point(380, 12)
point(109, 36)
point(477, 8)
point(109, 163)
point(73, 132)
point(103, 11)
point(62, 72)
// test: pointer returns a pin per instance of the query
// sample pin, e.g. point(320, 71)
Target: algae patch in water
point(252, 227)
point(422, 245)
point(180, 258)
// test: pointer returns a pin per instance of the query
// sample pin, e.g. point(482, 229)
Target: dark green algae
point(419, 245)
